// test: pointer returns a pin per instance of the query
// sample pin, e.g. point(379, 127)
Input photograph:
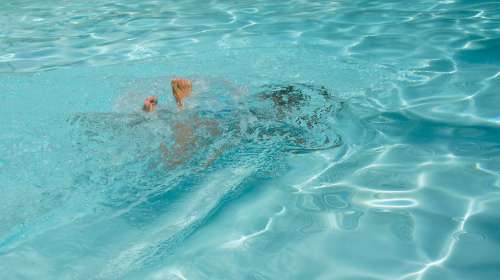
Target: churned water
point(335, 140)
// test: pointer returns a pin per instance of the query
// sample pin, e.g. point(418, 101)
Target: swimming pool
point(398, 177)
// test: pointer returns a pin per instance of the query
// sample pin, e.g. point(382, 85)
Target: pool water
point(355, 140)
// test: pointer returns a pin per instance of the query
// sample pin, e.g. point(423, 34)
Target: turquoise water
point(383, 162)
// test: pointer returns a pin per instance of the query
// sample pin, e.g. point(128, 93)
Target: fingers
point(181, 83)
point(151, 100)
point(186, 84)
point(150, 103)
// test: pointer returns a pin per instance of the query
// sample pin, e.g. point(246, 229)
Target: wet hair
point(307, 104)
point(293, 95)
point(301, 113)
point(286, 98)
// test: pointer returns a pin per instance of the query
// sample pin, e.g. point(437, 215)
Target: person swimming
point(297, 114)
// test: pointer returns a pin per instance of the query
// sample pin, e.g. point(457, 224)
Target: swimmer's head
point(150, 104)
point(302, 103)
point(286, 100)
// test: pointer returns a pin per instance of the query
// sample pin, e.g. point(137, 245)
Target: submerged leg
point(185, 138)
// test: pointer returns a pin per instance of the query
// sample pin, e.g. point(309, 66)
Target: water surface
point(400, 179)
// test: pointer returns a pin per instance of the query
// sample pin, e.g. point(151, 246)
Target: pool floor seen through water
point(354, 140)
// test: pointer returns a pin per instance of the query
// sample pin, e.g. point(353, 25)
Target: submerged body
point(170, 151)
point(284, 111)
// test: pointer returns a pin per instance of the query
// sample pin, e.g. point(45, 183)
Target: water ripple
point(400, 180)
